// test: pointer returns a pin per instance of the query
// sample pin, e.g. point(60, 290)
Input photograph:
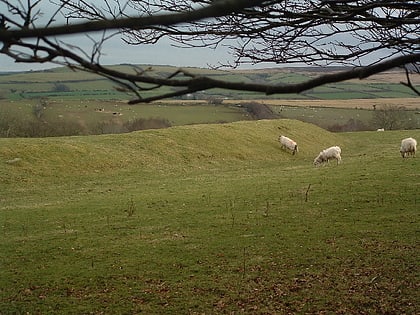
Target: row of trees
point(368, 36)
point(388, 118)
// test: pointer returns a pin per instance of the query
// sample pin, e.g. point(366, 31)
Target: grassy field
point(209, 219)
point(91, 112)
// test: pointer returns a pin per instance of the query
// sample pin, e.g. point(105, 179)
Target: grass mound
point(163, 149)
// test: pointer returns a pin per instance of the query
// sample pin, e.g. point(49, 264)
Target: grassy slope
point(208, 219)
point(186, 145)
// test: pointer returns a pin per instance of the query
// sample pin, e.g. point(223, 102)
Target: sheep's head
point(320, 158)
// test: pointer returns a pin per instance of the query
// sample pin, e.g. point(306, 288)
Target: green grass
point(213, 219)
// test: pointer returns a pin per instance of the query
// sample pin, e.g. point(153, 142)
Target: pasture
point(209, 219)
point(88, 113)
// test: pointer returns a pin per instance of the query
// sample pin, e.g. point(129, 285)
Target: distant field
point(89, 112)
point(87, 101)
point(80, 85)
point(89, 115)
point(325, 113)
point(409, 103)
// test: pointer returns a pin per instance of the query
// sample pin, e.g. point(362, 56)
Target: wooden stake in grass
point(131, 207)
point(230, 207)
point(267, 208)
point(244, 263)
point(307, 193)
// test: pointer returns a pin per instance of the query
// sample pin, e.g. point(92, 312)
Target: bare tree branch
point(313, 32)
point(203, 83)
point(408, 83)
point(217, 8)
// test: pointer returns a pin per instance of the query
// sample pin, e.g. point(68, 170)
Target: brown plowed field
point(408, 103)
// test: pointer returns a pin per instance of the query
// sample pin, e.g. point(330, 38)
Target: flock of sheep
point(408, 147)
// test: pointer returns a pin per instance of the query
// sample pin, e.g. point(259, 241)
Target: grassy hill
point(209, 219)
point(177, 147)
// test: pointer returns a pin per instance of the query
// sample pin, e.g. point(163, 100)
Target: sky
point(116, 51)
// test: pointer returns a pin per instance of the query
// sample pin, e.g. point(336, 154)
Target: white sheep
point(381, 129)
point(408, 147)
point(328, 154)
point(287, 143)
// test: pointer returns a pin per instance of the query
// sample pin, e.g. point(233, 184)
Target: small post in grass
point(307, 193)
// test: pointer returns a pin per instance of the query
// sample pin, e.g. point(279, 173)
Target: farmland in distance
point(92, 104)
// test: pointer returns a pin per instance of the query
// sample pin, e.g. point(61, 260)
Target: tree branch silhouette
point(278, 32)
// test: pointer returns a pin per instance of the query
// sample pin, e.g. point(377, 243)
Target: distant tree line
point(393, 117)
point(387, 117)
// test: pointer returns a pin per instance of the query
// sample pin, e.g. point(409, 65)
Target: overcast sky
point(116, 51)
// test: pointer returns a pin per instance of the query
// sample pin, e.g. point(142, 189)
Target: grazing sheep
point(287, 143)
point(381, 129)
point(408, 147)
point(328, 154)
point(14, 161)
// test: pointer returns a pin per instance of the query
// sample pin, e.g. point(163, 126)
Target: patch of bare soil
point(258, 110)
point(395, 76)
point(408, 103)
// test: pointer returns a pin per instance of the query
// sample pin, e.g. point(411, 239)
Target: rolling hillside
point(176, 147)
point(62, 83)
point(209, 219)
point(180, 147)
